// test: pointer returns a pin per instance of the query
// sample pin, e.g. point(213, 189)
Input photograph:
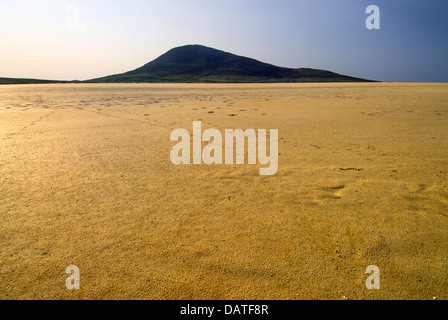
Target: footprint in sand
point(318, 194)
point(331, 192)
point(422, 198)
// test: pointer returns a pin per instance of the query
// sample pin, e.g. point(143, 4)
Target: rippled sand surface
point(86, 180)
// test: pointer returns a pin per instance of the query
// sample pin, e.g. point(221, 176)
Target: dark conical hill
point(196, 63)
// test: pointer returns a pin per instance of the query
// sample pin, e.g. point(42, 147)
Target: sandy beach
point(86, 180)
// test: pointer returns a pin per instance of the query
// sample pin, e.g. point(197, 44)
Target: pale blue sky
point(83, 39)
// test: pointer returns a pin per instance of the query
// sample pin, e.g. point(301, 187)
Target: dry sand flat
point(86, 179)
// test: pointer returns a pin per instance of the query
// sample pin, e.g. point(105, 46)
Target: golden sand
point(86, 180)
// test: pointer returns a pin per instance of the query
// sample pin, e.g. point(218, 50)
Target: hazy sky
point(83, 39)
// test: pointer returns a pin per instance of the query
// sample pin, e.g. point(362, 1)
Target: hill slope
point(196, 63)
point(27, 81)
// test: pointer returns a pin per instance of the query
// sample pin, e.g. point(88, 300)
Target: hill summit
point(196, 63)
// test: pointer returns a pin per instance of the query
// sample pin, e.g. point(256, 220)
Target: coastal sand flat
point(86, 179)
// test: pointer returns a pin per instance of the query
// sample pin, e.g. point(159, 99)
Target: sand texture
point(86, 180)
